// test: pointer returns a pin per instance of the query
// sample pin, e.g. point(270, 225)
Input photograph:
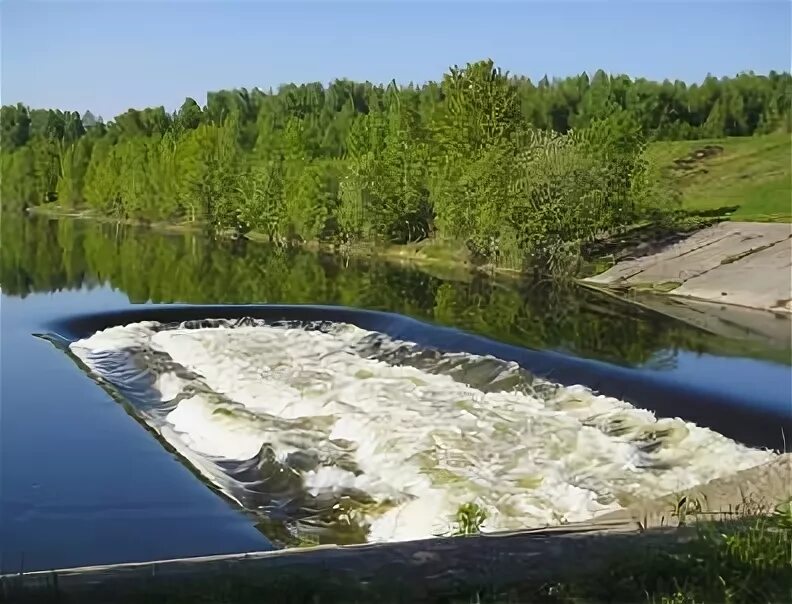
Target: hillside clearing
point(746, 179)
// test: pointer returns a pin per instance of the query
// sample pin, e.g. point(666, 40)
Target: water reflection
point(42, 255)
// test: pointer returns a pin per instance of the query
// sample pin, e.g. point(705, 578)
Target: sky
point(112, 55)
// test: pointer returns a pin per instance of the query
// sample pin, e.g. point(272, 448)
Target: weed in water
point(469, 519)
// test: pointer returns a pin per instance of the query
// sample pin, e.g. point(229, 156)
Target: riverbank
point(440, 256)
point(53, 210)
point(741, 264)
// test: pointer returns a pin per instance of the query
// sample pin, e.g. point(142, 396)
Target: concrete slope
point(762, 279)
point(754, 491)
point(742, 263)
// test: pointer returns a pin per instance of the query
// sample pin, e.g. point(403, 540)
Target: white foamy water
point(415, 440)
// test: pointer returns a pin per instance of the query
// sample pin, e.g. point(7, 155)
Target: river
point(279, 424)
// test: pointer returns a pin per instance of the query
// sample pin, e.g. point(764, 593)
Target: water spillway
point(342, 433)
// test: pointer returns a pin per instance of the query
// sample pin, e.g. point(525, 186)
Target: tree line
point(515, 170)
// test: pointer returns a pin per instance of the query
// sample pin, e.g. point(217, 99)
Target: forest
point(518, 172)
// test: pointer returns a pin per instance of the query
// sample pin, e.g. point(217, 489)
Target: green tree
point(189, 115)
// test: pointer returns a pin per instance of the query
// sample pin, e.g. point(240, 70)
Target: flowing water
point(348, 431)
point(336, 430)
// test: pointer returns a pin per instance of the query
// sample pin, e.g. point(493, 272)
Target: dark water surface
point(81, 483)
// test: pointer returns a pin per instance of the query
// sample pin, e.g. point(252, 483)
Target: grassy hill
point(748, 179)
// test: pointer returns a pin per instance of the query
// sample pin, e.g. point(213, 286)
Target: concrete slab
point(753, 491)
point(739, 263)
point(695, 255)
point(759, 280)
point(628, 268)
point(743, 239)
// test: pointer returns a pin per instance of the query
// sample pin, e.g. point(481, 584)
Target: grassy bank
point(745, 560)
point(57, 211)
point(746, 178)
point(445, 260)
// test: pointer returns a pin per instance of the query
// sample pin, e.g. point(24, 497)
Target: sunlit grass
point(750, 180)
point(746, 559)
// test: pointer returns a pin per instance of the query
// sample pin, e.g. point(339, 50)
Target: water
point(80, 482)
point(320, 420)
point(332, 432)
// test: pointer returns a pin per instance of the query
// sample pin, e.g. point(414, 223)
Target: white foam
point(117, 337)
point(422, 442)
point(213, 434)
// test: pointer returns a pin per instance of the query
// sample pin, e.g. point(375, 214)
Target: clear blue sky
point(112, 55)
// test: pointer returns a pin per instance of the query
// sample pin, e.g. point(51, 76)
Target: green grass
point(746, 560)
point(753, 175)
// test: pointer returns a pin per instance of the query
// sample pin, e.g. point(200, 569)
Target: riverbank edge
point(406, 254)
point(395, 253)
point(723, 247)
point(409, 254)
